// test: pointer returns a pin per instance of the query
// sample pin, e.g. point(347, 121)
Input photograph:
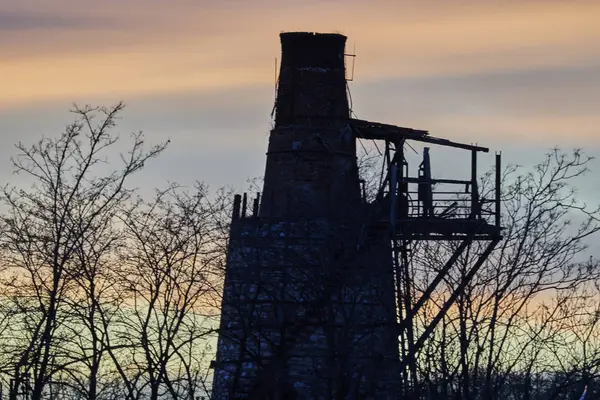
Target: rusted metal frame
point(446, 191)
point(392, 181)
point(392, 132)
point(385, 166)
point(436, 281)
point(498, 188)
point(461, 287)
point(399, 158)
point(388, 161)
point(410, 339)
point(459, 206)
point(420, 236)
point(403, 275)
point(449, 143)
point(450, 237)
point(425, 186)
point(434, 181)
point(395, 174)
point(364, 124)
point(399, 305)
point(474, 187)
point(400, 249)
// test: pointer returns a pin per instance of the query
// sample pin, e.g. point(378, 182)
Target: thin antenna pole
point(275, 82)
point(353, 59)
point(498, 188)
point(353, 56)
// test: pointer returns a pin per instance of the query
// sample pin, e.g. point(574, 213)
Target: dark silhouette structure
point(315, 297)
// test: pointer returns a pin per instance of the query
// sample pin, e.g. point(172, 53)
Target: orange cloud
point(160, 47)
point(550, 130)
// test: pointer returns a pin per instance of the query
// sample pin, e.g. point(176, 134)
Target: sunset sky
point(518, 76)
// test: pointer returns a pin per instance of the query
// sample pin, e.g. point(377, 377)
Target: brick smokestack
point(311, 162)
point(312, 81)
point(308, 303)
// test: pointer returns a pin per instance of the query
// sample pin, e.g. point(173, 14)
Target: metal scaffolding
point(417, 212)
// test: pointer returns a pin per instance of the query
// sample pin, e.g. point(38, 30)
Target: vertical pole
point(255, 207)
point(237, 200)
point(402, 185)
point(393, 196)
point(426, 189)
point(244, 205)
point(498, 189)
point(474, 192)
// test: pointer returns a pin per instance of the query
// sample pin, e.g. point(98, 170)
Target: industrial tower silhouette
point(316, 284)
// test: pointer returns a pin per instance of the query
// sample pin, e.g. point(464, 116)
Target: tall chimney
point(308, 306)
point(312, 79)
point(311, 161)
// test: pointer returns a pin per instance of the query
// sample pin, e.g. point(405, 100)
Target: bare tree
point(45, 226)
point(170, 272)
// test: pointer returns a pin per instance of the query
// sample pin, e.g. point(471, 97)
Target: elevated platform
point(440, 229)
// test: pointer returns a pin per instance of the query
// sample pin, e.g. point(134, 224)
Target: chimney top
point(311, 49)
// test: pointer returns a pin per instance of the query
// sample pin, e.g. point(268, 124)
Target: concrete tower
point(308, 307)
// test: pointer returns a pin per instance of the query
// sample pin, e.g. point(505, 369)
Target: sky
point(518, 76)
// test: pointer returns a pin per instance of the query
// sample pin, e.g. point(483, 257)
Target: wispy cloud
point(133, 48)
point(11, 21)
